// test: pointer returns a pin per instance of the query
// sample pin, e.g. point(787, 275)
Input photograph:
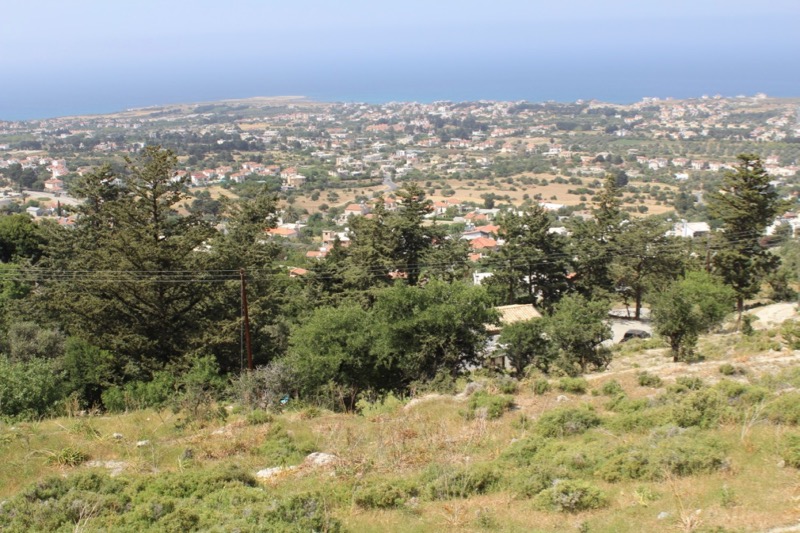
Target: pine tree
point(745, 205)
point(131, 266)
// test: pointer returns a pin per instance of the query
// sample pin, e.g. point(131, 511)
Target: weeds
point(569, 496)
point(646, 379)
point(490, 407)
point(573, 385)
point(66, 457)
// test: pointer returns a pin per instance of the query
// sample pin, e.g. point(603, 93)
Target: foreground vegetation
point(716, 449)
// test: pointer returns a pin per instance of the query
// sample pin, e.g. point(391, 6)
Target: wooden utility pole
point(246, 320)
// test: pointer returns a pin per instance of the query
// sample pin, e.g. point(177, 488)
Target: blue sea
point(54, 94)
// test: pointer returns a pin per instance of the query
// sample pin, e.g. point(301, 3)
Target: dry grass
point(752, 493)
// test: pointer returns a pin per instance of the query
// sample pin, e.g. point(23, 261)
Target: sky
point(62, 57)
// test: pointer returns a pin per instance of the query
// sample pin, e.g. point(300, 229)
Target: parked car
point(635, 334)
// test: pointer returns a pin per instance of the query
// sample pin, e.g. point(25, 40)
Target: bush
point(541, 386)
point(257, 417)
point(567, 421)
point(790, 331)
point(639, 420)
point(29, 389)
point(67, 457)
point(195, 500)
point(442, 383)
point(728, 369)
point(675, 452)
point(791, 450)
point(685, 384)
point(529, 482)
point(493, 406)
point(647, 379)
point(740, 393)
point(156, 394)
point(523, 452)
point(703, 409)
point(266, 386)
point(611, 388)
point(571, 497)
point(573, 385)
point(282, 449)
point(385, 495)
point(450, 482)
point(506, 385)
point(785, 409)
point(383, 406)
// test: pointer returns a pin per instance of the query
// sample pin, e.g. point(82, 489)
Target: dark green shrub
point(156, 393)
point(785, 409)
point(685, 384)
point(493, 406)
point(740, 393)
point(790, 331)
point(687, 455)
point(282, 449)
point(625, 464)
point(68, 456)
point(256, 417)
point(567, 421)
point(541, 386)
point(611, 388)
point(673, 452)
point(304, 512)
point(728, 369)
point(639, 420)
point(266, 386)
point(528, 482)
point(29, 389)
point(385, 495)
point(506, 385)
point(646, 379)
point(523, 452)
point(569, 496)
point(623, 404)
point(449, 482)
point(573, 385)
point(791, 450)
point(701, 408)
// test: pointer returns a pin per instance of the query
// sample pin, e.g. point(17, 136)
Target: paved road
point(63, 198)
point(387, 181)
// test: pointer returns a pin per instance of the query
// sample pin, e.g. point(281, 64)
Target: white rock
point(117, 436)
point(115, 467)
point(663, 515)
point(268, 473)
point(142, 443)
point(320, 459)
point(562, 398)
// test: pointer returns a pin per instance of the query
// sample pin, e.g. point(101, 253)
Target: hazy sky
point(63, 52)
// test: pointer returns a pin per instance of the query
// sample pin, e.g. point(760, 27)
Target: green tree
point(132, 265)
point(426, 330)
point(526, 343)
point(593, 243)
point(646, 259)
point(745, 205)
point(246, 248)
point(411, 238)
point(689, 307)
point(578, 329)
point(532, 258)
point(20, 239)
point(333, 346)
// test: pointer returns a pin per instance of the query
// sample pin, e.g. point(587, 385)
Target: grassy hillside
point(648, 445)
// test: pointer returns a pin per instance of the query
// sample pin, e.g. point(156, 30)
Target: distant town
point(329, 162)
